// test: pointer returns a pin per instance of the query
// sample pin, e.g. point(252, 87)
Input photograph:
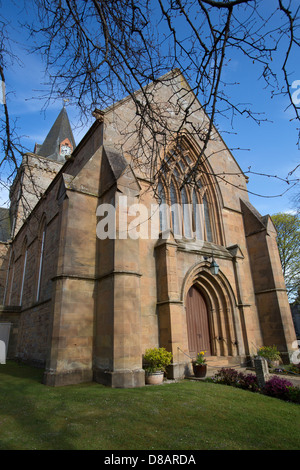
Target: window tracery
point(192, 204)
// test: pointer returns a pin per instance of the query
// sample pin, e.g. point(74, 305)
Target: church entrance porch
point(212, 319)
point(196, 312)
point(210, 327)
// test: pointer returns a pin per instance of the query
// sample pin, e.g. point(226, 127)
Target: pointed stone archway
point(223, 322)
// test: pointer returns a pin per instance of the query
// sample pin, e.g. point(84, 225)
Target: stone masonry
point(86, 308)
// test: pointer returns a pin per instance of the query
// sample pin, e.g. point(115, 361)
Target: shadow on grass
point(31, 414)
point(21, 370)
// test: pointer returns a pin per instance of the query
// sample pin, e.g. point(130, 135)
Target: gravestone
point(262, 370)
point(4, 340)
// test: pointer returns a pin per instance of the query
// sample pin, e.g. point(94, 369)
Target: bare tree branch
point(98, 51)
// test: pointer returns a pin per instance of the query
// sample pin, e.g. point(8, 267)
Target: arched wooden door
point(197, 323)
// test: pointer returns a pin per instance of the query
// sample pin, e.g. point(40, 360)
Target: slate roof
point(60, 131)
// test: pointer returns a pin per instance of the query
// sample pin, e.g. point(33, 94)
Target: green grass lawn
point(181, 416)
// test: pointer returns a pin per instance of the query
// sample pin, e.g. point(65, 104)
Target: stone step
point(222, 361)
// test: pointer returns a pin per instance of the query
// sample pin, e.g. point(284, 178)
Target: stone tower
point(38, 169)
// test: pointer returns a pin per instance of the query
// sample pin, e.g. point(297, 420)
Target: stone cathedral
point(85, 307)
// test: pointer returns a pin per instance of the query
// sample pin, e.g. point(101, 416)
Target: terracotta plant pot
point(199, 370)
point(154, 378)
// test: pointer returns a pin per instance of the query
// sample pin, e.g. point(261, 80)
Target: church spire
point(60, 141)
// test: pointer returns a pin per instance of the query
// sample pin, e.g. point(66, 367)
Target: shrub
point(270, 353)
point(294, 394)
point(157, 359)
point(233, 378)
point(248, 382)
point(277, 387)
point(227, 376)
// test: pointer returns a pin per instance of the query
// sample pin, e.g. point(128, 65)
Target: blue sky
point(270, 148)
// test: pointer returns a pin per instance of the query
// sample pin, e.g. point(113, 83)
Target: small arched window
point(24, 265)
point(42, 236)
point(10, 280)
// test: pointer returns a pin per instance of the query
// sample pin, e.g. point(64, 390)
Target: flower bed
point(291, 369)
point(237, 379)
point(276, 387)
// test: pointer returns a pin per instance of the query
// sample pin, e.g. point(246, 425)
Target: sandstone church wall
point(34, 312)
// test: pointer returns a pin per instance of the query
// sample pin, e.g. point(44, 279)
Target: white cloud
point(290, 211)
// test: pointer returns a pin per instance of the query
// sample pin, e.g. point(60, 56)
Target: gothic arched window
point(10, 280)
point(193, 208)
point(42, 235)
point(24, 263)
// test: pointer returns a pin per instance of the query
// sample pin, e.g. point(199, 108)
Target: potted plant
point(199, 365)
point(155, 362)
point(271, 354)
